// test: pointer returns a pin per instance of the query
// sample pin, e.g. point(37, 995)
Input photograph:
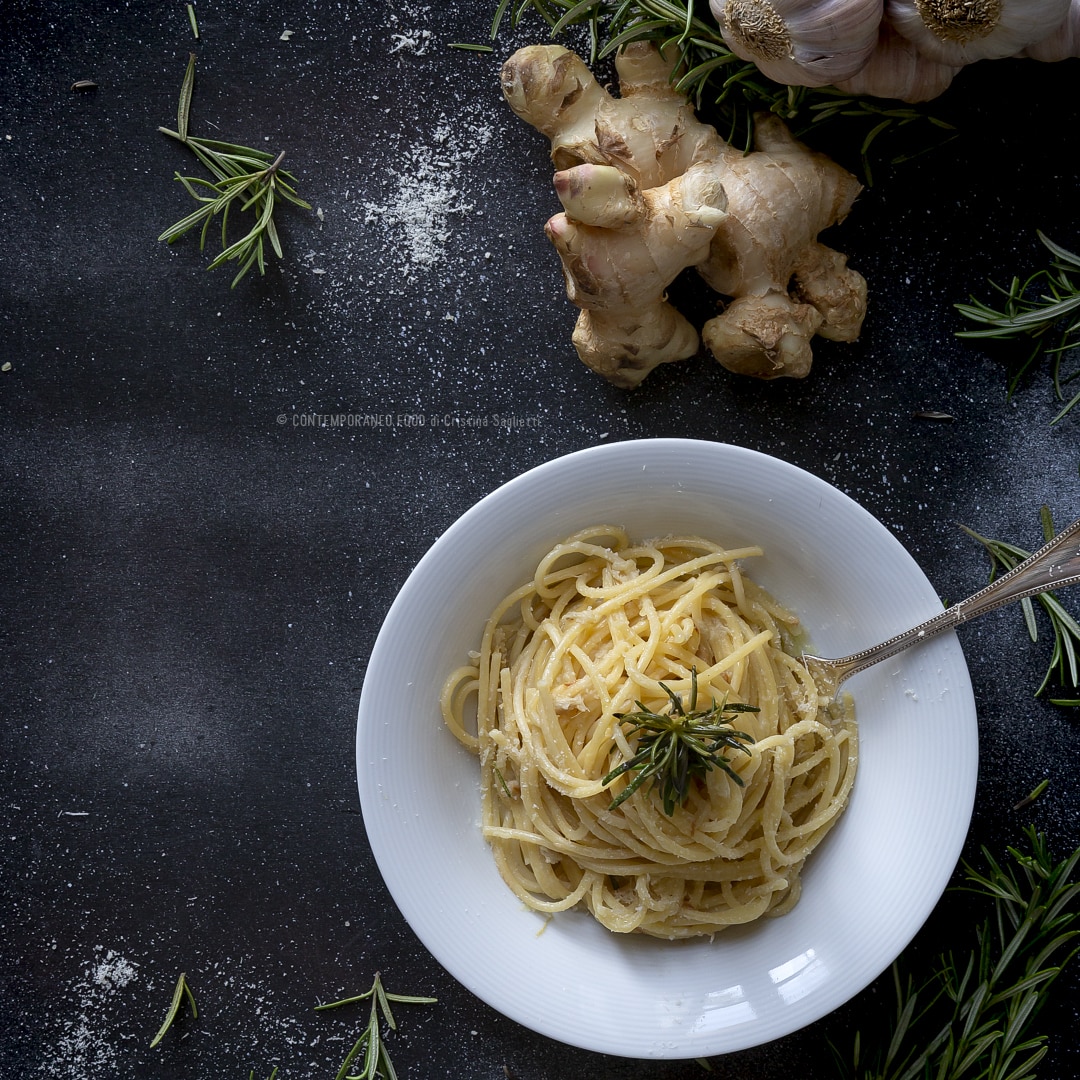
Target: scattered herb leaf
point(187, 90)
point(1066, 630)
point(676, 746)
point(84, 84)
point(1044, 309)
point(182, 990)
point(195, 30)
point(245, 180)
point(1032, 795)
point(973, 1017)
point(371, 1044)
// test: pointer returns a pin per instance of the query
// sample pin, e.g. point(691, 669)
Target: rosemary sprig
point(182, 990)
point(371, 1044)
point(244, 179)
point(675, 747)
point(728, 88)
point(1063, 664)
point(1043, 308)
point(973, 1018)
point(1035, 793)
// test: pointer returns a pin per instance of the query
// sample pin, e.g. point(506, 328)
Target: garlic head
point(896, 69)
point(963, 31)
point(1063, 43)
point(797, 43)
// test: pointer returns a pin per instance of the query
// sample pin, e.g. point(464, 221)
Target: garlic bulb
point(896, 69)
point(963, 31)
point(1063, 43)
point(801, 42)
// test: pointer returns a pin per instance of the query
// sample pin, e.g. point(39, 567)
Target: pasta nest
point(601, 625)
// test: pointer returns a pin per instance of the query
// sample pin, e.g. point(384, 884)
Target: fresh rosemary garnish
point(182, 990)
point(1066, 630)
point(245, 180)
point(1045, 309)
point(679, 745)
point(974, 1017)
point(729, 89)
point(371, 1044)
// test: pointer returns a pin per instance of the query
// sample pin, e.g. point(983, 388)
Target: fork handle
point(1054, 566)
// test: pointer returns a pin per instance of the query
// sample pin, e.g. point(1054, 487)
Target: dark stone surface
point(194, 573)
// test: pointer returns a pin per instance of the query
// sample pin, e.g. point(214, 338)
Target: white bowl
point(866, 890)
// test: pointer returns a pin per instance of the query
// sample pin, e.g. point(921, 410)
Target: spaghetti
point(596, 631)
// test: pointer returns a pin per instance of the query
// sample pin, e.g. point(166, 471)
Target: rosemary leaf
point(1064, 665)
point(374, 1043)
point(384, 1066)
point(187, 88)
point(351, 1056)
point(1032, 795)
point(182, 990)
point(384, 1005)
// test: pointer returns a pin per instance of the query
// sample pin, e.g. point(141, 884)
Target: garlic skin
point(1063, 43)
point(963, 31)
point(896, 69)
point(801, 42)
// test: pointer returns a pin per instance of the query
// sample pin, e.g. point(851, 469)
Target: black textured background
point(193, 575)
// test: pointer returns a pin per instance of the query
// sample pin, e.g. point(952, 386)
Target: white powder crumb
point(114, 971)
point(86, 1044)
point(427, 192)
point(416, 42)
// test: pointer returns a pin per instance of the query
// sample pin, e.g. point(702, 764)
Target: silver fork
point(1054, 566)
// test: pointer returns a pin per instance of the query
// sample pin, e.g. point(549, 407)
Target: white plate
point(866, 890)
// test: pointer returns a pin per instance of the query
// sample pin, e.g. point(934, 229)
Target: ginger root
point(621, 247)
point(648, 190)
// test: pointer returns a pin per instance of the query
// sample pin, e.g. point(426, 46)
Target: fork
point(1054, 566)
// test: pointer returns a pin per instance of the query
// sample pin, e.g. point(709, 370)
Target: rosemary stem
point(275, 165)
